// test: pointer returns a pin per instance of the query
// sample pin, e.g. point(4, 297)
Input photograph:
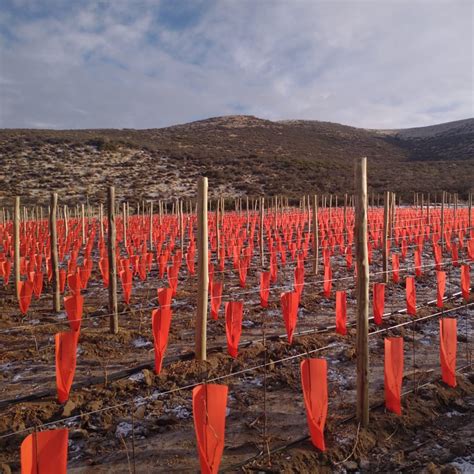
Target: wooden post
point(16, 242)
point(101, 220)
point(392, 215)
point(315, 235)
point(386, 211)
point(83, 224)
point(66, 227)
point(262, 210)
point(344, 225)
point(428, 210)
point(469, 198)
point(362, 293)
point(124, 223)
point(203, 272)
point(151, 225)
point(443, 198)
point(330, 208)
point(54, 252)
point(248, 212)
point(218, 233)
point(113, 306)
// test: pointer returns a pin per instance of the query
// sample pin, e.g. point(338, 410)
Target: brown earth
point(432, 435)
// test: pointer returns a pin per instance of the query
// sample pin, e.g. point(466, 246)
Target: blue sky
point(146, 64)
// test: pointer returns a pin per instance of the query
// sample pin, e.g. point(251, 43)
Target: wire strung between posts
point(375, 332)
point(340, 423)
point(289, 286)
point(174, 390)
point(244, 343)
point(280, 336)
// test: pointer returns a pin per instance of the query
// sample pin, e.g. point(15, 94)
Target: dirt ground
point(124, 418)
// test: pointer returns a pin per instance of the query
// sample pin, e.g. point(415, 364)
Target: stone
point(68, 408)
point(5, 469)
point(78, 433)
point(148, 377)
point(140, 412)
point(351, 465)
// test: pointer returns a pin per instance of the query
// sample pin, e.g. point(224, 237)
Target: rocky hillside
point(240, 155)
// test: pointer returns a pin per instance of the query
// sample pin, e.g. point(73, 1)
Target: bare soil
point(124, 417)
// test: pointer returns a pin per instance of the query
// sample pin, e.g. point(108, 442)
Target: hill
point(240, 155)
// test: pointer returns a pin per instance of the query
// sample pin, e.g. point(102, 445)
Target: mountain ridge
point(240, 155)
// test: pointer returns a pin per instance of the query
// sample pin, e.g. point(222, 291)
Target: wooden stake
point(151, 225)
point(54, 252)
point(101, 220)
point(66, 227)
point(362, 293)
point(111, 238)
point(344, 225)
point(218, 233)
point(203, 272)
point(469, 198)
point(315, 235)
point(124, 223)
point(181, 226)
point(16, 243)
point(262, 210)
point(83, 224)
point(443, 198)
point(386, 210)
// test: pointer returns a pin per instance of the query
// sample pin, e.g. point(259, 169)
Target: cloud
point(145, 64)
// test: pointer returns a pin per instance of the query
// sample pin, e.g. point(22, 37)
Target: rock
point(78, 434)
point(148, 377)
point(94, 405)
point(166, 420)
point(140, 412)
point(68, 408)
point(431, 468)
point(351, 465)
point(458, 449)
point(449, 470)
point(123, 429)
point(5, 469)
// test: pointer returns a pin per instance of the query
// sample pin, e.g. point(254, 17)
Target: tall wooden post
point(124, 222)
point(16, 242)
point(66, 226)
point(362, 293)
point(248, 212)
point(54, 252)
point(101, 220)
point(469, 198)
point(262, 211)
point(386, 211)
point(443, 198)
point(428, 210)
point(151, 225)
point(111, 238)
point(330, 208)
point(203, 272)
point(218, 232)
point(181, 226)
point(344, 224)
point(315, 235)
point(392, 214)
point(83, 217)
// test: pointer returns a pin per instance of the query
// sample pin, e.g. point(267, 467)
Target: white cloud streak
point(377, 64)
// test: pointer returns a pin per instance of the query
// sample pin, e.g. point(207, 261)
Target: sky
point(147, 64)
